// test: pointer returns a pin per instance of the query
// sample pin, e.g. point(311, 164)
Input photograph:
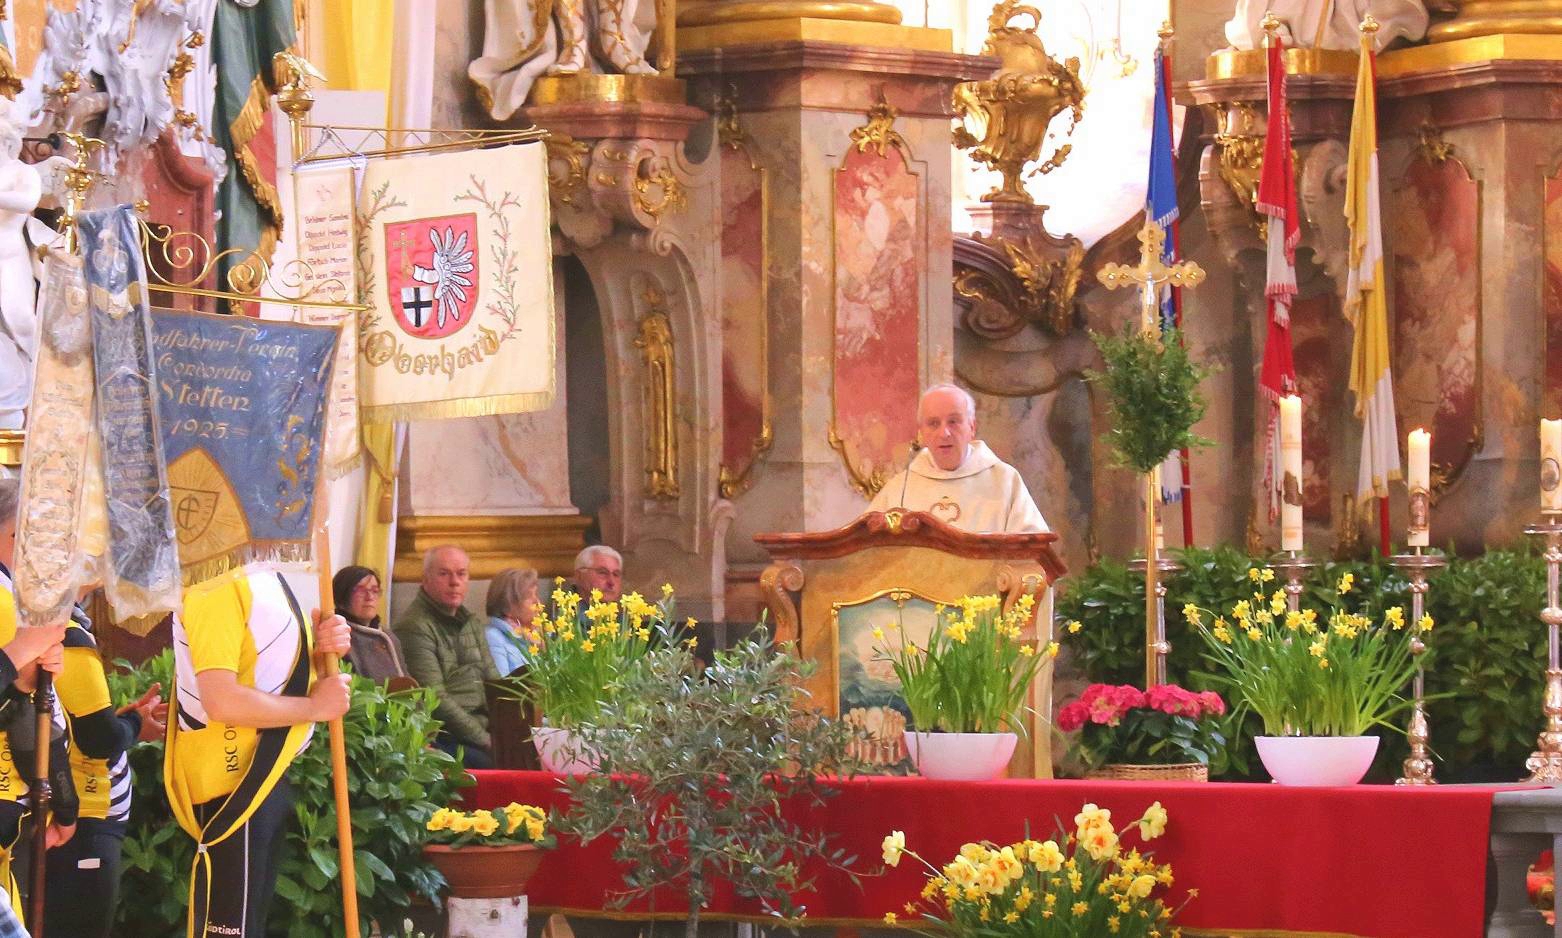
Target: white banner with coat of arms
point(458, 265)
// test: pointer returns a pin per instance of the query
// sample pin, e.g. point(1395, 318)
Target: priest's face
point(945, 428)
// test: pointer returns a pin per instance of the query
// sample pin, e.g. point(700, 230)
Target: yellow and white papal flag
point(458, 265)
point(1366, 306)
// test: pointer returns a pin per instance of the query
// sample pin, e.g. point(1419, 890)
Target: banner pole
point(295, 99)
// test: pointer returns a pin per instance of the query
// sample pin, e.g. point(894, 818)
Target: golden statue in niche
point(1004, 119)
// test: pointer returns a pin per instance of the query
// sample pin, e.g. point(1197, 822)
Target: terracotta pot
point(485, 872)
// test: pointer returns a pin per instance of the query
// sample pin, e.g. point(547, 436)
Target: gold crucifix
point(1151, 274)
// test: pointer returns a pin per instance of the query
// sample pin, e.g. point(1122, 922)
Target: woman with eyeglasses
point(376, 654)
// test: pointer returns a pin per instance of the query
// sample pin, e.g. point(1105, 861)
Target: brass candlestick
point(1545, 765)
point(1293, 565)
point(1158, 647)
point(1417, 767)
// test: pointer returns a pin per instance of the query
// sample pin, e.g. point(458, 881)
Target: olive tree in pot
point(694, 768)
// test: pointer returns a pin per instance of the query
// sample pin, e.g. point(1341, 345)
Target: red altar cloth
point(1368, 861)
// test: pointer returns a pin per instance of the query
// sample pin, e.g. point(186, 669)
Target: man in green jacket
point(443, 644)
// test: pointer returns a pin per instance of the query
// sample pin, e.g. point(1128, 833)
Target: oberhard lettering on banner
point(457, 265)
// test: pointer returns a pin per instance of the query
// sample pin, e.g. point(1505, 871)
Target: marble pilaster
point(802, 100)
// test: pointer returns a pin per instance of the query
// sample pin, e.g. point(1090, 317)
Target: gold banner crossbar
point(341, 141)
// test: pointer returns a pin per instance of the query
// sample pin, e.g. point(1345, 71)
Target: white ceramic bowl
point(960, 756)
point(1317, 760)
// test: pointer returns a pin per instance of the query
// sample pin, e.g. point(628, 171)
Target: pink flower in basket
point(1119, 723)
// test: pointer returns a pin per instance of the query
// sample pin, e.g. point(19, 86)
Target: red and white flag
point(1277, 200)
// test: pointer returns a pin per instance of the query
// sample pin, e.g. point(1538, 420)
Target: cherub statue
point(525, 39)
point(20, 189)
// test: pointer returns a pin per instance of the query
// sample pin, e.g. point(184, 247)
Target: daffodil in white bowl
point(966, 689)
point(1318, 681)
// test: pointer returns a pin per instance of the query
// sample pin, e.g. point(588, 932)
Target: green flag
point(244, 39)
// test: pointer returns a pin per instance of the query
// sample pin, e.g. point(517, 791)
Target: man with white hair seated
point(955, 477)
point(599, 567)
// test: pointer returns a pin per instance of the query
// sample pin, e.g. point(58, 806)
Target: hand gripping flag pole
point(296, 99)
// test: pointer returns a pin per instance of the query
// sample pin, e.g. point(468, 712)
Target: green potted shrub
point(694, 766)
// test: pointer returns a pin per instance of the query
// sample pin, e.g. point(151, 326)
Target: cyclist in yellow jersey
point(245, 702)
point(88, 865)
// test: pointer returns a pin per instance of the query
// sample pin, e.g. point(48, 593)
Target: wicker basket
point(1180, 772)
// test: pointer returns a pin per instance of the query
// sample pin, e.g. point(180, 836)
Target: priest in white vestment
point(955, 477)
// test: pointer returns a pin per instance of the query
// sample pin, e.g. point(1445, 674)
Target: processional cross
point(1151, 274)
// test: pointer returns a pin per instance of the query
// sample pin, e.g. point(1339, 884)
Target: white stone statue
point(123, 46)
point(1299, 22)
point(20, 189)
point(525, 39)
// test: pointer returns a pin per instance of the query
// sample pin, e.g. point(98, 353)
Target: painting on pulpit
point(1552, 293)
point(867, 689)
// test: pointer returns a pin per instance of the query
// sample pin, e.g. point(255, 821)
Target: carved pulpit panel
point(828, 591)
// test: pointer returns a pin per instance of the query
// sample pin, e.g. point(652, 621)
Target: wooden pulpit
point(827, 591)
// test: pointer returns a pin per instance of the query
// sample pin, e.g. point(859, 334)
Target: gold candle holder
point(1418, 767)
point(1545, 764)
point(1159, 647)
point(1293, 565)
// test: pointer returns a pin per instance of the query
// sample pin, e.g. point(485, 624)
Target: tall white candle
point(1551, 465)
point(1291, 469)
point(1420, 485)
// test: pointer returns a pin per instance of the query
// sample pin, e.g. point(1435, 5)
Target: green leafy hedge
point(1485, 663)
point(395, 781)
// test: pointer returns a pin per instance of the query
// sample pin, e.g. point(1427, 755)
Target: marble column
point(850, 310)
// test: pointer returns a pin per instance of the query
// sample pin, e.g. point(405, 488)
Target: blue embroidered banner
point(143, 574)
point(242, 403)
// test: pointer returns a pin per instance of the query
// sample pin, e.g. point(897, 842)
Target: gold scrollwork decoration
point(867, 484)
point(733, 481)
point(1239, 154)
point(658, 190)
point(655, 342)
point(567, 159)
point(1010, 112)
point(180, 261)
point(1430, 145)
point(879, 132)
point(777, 584)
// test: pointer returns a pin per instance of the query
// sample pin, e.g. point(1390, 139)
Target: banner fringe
point(465, 407)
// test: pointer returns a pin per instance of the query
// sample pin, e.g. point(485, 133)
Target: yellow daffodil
point(890, 918)
point(1254, 634)
point(1277, 602)
point(1425, 623)
point(1074, 625)
point(1052, 649)
point(1241, 610)
point(1079, 908)
point(1141, 886)
point(1046, 857)
point(1011, 917)
point(588, 645)
point(1347, 581)
point(1222, 634)
point(878, 634)
point(1153, 823)
point(1395, 617)
point(1252, 574)
point(1164, 875)
point(1027, 650)
point(1266, 575)
point(1323, 663)
point(1316, 649)
point(1113, 924)
point(894, 845)
point(1192, 614)
point(1293, 620)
